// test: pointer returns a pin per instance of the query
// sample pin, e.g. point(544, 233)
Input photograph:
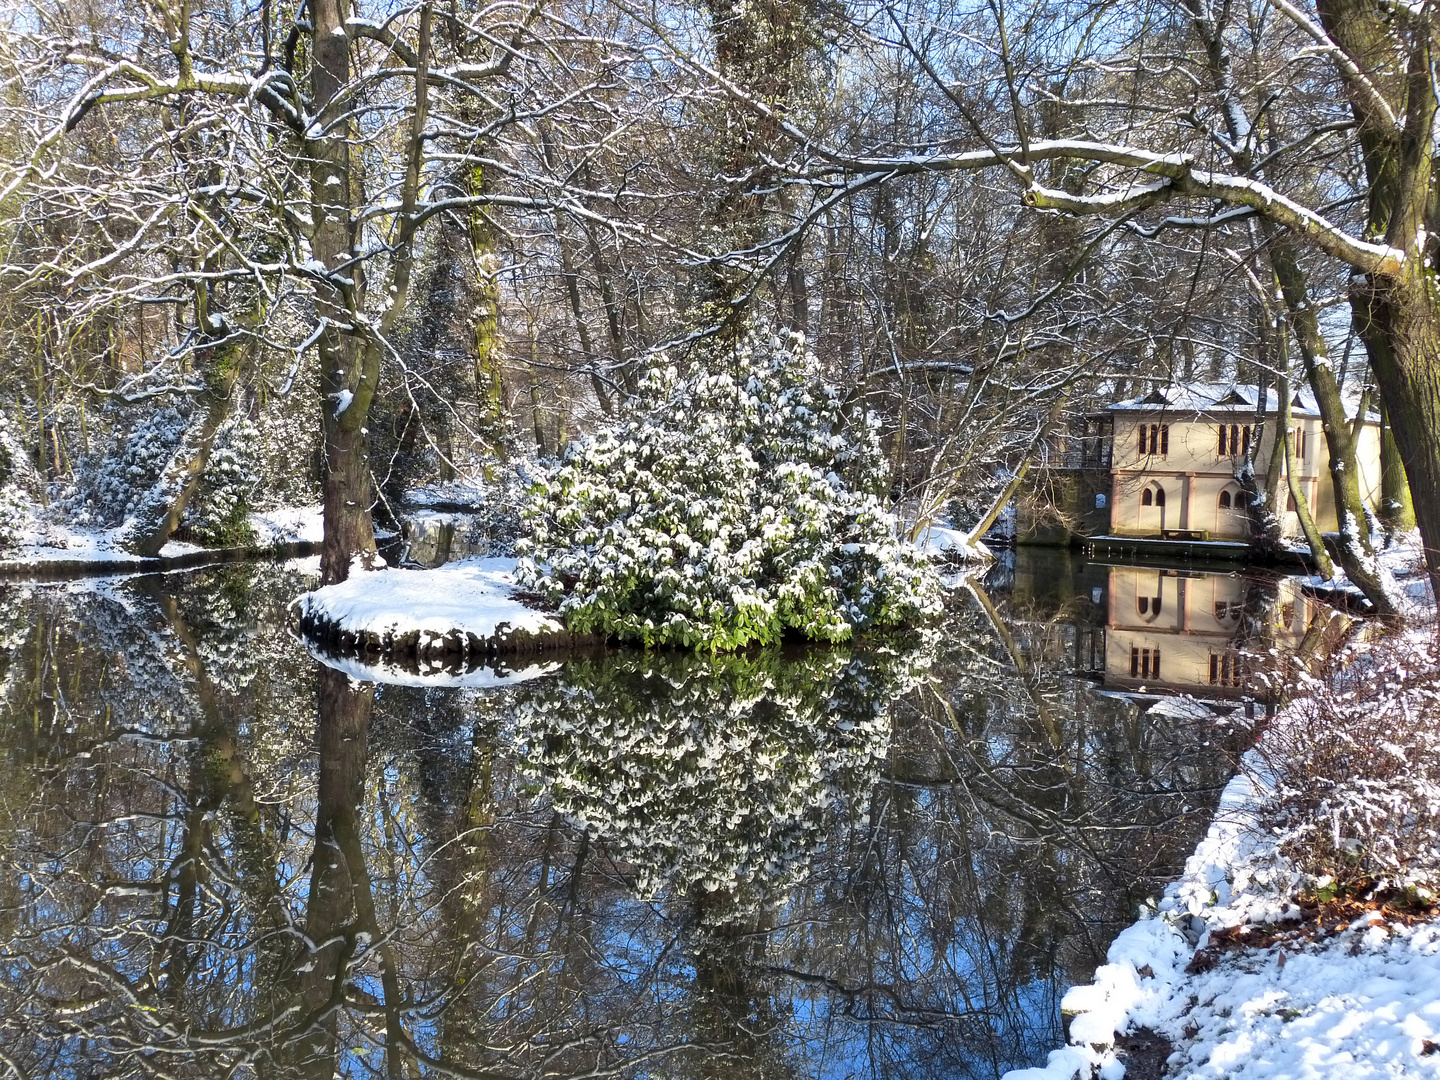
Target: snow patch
point(937, 540)
point(475, 596)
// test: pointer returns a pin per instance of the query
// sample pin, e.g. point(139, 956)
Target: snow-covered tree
point(740, 503)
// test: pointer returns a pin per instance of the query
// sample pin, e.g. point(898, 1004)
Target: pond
point(226, 858)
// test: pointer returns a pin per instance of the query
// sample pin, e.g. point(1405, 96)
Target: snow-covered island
point(471, 608)
point(738, 505)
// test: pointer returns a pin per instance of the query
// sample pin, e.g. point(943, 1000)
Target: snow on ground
point(50, 542)
point(937, 540)
point(289, 523)
point(473, 596)
point(1404, 560)
point(431, 675)
point(1363, 1003)
point(53, 543)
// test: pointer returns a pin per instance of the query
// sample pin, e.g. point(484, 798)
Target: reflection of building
point(1190, 632)
point(1166, 464)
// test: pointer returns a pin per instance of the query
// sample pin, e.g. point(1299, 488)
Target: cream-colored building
point(1195, 632)
point(1174, 455)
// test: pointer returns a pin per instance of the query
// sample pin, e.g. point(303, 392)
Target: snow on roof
point(1222, 397)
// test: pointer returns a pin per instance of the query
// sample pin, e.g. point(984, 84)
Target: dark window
point(1155, 670)
point(1224, 500)
point(1142, 439)
point(1147, 497)
point(1155, 605)
point(1159, 496)
point(1290, 503)
point(1241, 500)
point(1234, 439)
point(1164, 439)
point(1135, 662)
point(1143, 603)
point(1226, 669)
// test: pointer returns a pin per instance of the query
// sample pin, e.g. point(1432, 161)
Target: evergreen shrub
point(739, 502)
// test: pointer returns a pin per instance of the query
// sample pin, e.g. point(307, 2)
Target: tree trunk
point(349, 369)
point(1354, 548)
point(1404, 316)
point(1397, 509)
point(164, 504)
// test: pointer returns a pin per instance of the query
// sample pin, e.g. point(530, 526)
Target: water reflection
point(222, 858)
point(1148, 631)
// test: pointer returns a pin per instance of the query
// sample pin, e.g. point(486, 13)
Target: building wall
point(1193, 474)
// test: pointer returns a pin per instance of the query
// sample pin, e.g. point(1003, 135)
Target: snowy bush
point(739, 503)
point(16, 475)
point(118, 484)
point(219, 512)
point(1355, 769)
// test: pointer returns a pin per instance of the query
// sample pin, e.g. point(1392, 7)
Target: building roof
point(1221, 397)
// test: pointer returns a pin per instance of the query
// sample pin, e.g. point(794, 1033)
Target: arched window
point(1224, 500)
point(1147, 497)
point(1159, 496)
point(1241, 500)
point(1142, 604)
point(1233, 500)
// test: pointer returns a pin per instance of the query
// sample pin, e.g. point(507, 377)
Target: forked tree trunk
point(1404, 315)
point(1354, 549)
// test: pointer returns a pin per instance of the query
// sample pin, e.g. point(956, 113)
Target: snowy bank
point(461, 609)
point(56, 551)
point(1231, 976)
point(289, 524)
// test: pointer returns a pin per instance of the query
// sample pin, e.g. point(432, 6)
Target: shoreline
point(119, 563)
point(1246, 968)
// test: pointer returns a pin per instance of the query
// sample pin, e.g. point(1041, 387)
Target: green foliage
point(713, 775)
point(741, 503)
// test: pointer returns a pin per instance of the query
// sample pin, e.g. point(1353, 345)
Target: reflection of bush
point(711, 774)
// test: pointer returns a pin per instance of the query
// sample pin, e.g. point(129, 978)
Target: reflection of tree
point(710, 774)
point(217, 860)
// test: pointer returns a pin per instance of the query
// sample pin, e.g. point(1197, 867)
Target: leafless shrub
point(1353, 769)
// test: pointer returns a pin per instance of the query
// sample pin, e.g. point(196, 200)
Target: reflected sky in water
point(224, 858)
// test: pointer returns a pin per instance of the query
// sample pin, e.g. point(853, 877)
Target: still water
point(223, 857)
